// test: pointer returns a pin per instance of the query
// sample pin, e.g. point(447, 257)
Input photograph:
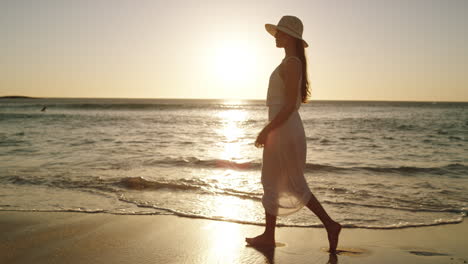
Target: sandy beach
point(42, 237)
point(162, 132)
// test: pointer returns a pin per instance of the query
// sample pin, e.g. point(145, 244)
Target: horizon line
point(225, 99)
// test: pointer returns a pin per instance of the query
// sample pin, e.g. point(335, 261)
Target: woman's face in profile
point(281, 39)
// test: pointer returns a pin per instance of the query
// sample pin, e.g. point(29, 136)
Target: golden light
point(234, 63)
point(232, 133)
point(225, 248)
point(233, 115)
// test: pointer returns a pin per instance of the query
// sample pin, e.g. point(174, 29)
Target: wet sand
point(39, 237)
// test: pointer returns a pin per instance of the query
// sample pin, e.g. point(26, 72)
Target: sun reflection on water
point(232, 133)
point(232, 139)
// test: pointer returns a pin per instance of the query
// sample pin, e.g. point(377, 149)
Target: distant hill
point(16, 97)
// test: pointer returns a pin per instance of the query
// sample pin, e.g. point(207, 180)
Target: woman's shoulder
point(289, 64)
point(292, 57)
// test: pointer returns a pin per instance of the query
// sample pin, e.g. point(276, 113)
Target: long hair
point(305, 88)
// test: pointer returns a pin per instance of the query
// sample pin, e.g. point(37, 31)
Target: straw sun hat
point(290, 25)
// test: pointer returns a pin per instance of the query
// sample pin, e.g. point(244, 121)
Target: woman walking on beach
point(283, 139)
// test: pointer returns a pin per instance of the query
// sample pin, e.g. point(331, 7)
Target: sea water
point(371, 164)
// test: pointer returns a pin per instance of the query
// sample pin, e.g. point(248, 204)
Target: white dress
point(284, 155)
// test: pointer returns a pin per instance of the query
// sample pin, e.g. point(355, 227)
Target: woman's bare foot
point(260, 241)
point(333, 231)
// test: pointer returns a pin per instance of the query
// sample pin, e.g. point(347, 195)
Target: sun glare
point(232, 133)
point(234, 63)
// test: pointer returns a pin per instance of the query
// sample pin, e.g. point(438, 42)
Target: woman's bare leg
point(268, 237)
point(333, 228)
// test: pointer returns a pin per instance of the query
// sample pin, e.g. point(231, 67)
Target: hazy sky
point(358, 50)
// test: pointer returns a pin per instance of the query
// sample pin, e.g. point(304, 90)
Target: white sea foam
point(373, 165)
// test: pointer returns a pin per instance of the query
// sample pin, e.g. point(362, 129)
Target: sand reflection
point(267, 252)
point(225, 245)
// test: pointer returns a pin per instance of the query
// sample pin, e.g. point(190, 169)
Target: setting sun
point(234, 63)
point(163, 131)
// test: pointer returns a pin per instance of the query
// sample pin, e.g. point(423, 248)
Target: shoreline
point(69, 237)
point(241, 222)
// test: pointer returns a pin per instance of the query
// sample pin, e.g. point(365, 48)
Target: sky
point(395, 50)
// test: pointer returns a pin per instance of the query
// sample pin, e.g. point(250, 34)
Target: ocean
point(371, 164)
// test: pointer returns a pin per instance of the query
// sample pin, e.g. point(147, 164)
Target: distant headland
point(17, 96)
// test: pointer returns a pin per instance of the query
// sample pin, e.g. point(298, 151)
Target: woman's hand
point(262, 138)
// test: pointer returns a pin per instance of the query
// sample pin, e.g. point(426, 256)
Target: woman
point(283, 139)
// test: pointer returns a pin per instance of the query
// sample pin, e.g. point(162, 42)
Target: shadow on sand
point(269, 255)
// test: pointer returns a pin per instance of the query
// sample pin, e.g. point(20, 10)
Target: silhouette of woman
point(283, 138)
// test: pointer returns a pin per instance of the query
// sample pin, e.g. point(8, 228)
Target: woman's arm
point(292, 73)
